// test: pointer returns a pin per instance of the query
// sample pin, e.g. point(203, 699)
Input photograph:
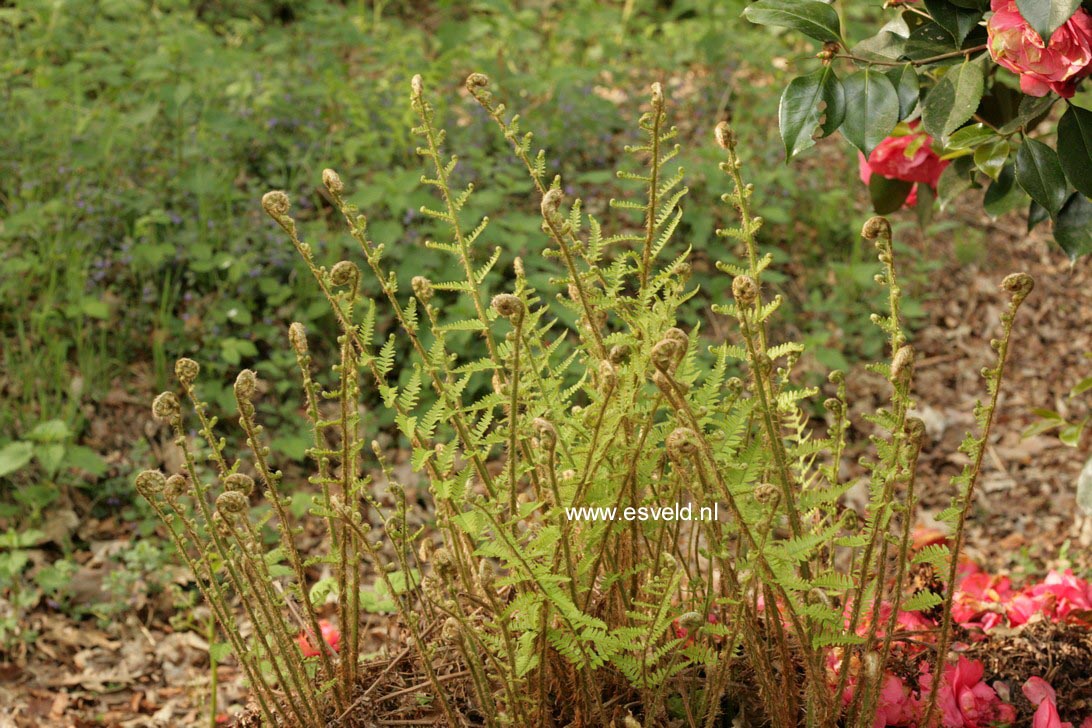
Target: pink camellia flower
point(1040, 693)
point(967, 702)
point(1042, 68)
point(1059, 597)
point(897, 705)
point(979, 601)
point(330, 634)
point(907, 157)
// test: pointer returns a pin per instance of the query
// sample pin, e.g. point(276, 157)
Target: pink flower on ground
point(907, 157)
point(897, 706)
point(330, 634)
point(1023, 607)
point(967, 702)
point(1042, 68)
point(1059, 597)
point(1040, 693)
point(979, 601)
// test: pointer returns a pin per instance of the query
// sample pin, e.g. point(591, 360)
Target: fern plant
point(553, 576)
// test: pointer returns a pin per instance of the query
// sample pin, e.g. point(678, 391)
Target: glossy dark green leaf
point(1036, 214)
point(888, 195)
point(953, 100)
point(804, 103)
point(1003, 194)
point(872, 109)
point(1039, 172)
point(905, 81)
point(991, 157)
point(1075, 147)
point(1046, 16)
point(834, 103)
point(927, 40)
point(957, 178)
point(923, 210)
point(959, 22)
point(969, 137)
point(1073, 226)
point(1031, 110)
point(888, 44)
point(812, 18)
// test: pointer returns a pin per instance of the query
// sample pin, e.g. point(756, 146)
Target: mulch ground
point(139, 671)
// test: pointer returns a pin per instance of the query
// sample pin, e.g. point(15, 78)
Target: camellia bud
point(830, 49)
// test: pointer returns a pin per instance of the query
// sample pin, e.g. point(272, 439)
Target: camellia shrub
point(622, 530)
point(950, 95)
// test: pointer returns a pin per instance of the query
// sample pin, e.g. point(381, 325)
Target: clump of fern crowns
point(555, 619)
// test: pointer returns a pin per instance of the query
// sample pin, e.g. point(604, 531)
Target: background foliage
point(139, 135)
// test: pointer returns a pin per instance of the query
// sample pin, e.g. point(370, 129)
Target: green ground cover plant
point(140, 134)
point(583, 391)
point(136, 197)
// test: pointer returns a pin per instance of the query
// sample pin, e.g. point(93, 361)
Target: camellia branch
point(919, 62)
